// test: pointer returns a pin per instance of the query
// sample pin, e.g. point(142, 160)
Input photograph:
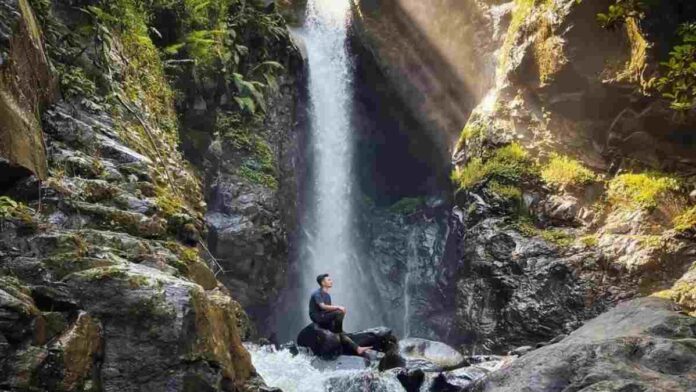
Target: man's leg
point(338, 329)
point(346, 341)
point(327, 320)
point(338, 322)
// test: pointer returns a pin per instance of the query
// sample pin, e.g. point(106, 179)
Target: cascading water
point(329, 244)
point(410, 260)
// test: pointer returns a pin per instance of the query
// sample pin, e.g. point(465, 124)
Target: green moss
point(508, 192)
point(590, 240)
point(185, 256)
point(99, 191)
point(407, 205)
point(168, 202)
point(523, 8)
point(103, 273)
point(563, 171)
point(257, 163)
point(686, 220)
point(136, 281)
point(509, 164)
point(640, 190)
point(555, 236)
point(648, 241)
point(152, 310)
point(471, 131)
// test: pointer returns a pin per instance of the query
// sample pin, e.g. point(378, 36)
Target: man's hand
point(342, 309)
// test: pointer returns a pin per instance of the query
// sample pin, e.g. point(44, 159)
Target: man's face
point(327, 282)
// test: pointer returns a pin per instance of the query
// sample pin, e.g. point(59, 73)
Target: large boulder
point(322, 342)
point(438, 353)
point(641, 345)
point(327, 344)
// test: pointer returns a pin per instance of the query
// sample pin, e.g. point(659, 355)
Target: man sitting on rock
point(329, 316)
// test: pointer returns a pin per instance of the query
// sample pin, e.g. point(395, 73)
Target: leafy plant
point(11, 209)
point(250, 94)
point(526, 227)
point(74, 82)
point(508, 164)
point(508, 192)
point(258, 162)
point(642, 190)
point(621, 10)
point(407, 205)
point(564, 171)
point(686, 220)
point(679, 81)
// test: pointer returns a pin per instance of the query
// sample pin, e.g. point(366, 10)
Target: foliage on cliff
point(676, 80)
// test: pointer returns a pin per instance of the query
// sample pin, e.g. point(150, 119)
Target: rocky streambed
point(423, 370)
point(641, 345)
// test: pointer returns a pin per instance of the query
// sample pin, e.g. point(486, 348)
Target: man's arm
point(329, 308)
point(320, 301)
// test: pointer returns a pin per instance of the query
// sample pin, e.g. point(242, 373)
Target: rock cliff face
point(252, 222)
point(26, 84)
point(105, 278)
point(573, 171)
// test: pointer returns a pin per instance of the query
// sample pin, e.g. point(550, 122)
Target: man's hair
point(321, 277)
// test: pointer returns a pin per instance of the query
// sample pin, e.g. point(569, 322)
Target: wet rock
point(639, 345)
point(457, 380)
point(391, 360)
point(379, 338)
point(327, 344)
point(434, 352)
point(522, 350)
point(411, 380)
point(72, 356)
point(401, 248)
point(322, 342)
point(505, 302)
point(560, 210)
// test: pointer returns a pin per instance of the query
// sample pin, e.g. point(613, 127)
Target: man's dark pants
point(333, 321)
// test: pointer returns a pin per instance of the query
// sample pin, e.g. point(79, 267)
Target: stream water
point(296, 373)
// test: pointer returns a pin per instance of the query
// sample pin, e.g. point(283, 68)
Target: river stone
point(327, 344)
point(411, 380)
point(343, 362)
point(640, 345)
point(322, 342)
point(437, 353)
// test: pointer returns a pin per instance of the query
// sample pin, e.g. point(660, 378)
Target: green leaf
point(246, 104)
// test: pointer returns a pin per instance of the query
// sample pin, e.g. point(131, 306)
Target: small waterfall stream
point(410, 260)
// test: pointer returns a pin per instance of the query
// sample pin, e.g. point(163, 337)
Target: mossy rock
point(72, 356)
point(218, 337)
point(129, 222)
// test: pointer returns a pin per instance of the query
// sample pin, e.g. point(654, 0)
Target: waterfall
point(329, 244)
point(411, 259)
